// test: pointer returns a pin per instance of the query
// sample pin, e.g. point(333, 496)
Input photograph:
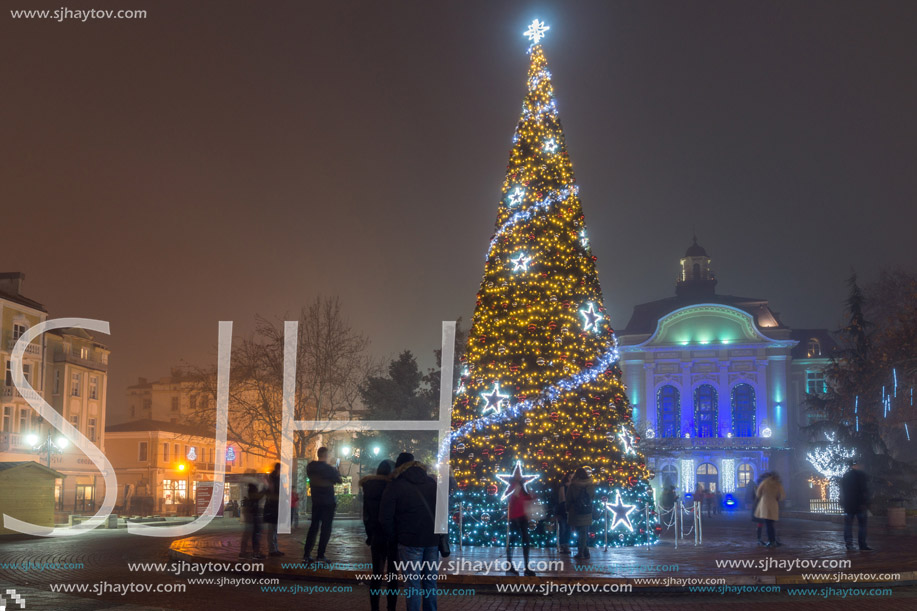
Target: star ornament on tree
point(515, 197)
point(621, 513)
point(550, 146)
point(536, 31)
point(493, 399)
point(627, 442)
point(507, 478)
point(521, 263)
point(591, 318)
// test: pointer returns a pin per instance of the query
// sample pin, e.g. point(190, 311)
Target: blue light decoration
point(621, 513)
point(494, 399)
point(907, 432)
point(507, 478)
point(591, 318)
point(729, 502)
point(583, 239)
point(515, 197)
point(521, 263)
point(230, 454)
point(544, 205)
point(192, 453)
point(856, 409)
point(550, 146)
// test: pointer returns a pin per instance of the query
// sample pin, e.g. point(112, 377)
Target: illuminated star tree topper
point(536, 31)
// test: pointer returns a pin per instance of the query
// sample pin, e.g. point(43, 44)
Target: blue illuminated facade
point(717, 383)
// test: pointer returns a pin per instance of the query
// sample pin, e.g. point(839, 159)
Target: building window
point(813, 348)
point(8, 419)
point(707, 476)
point(24, 420)
point(746, 475)
point(174, 404)
point(743, 410)
point(165, 452)
point(9, 374)
point(93, 387)
point(84, 353)
point(174, 491)
point(668, 411)
point(142, 451)
point(91, 429)
point(75, 379)
point(57, 382)
point(75, 421)
point(18, 331)
point(815, 383)
point(175, 452)
point(705, 411)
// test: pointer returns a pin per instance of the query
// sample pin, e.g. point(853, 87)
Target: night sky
point(220, 160)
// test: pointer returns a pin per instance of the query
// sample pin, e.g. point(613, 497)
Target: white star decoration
point(515, 197)
point(622, 513)
point(507, 478)
point(521, 263)
point(493, 399)
point(627, 440)
point(550, 145)
point(591, 318)
point(536, 31)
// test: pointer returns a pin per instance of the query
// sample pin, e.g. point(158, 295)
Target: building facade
point(160, 464)
point(68, 368)
point(718, 385)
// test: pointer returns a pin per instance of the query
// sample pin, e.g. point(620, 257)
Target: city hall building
point(718, 385)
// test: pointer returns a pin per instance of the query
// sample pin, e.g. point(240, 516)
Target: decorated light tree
point(540, 389)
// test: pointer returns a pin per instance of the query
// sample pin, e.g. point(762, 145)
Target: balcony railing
point(10, 392)
point(707, 442)
point(12, 442)
point(31, 349)
point(75, 359)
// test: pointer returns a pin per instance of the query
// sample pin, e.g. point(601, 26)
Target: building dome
point(695, 250)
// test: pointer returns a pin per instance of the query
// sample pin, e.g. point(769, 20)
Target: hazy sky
point(224, 159)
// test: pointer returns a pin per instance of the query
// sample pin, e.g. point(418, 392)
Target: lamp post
point(49, 445)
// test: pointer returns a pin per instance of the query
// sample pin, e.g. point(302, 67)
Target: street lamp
point(376, 450)
point(49, 445)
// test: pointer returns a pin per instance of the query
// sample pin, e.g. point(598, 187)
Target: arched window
point(743, 410)
point(669, 476)
point(707, 476)
point(813, 348)
point(697, 271)
point(746, 475)
point(705, 411)
point(668, 411)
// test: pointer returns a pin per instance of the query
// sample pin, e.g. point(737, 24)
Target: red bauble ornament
point(492, 489)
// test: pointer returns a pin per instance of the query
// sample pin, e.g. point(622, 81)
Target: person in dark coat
point(322, 478)
point(272, 511)
point(407, 516)
point(855, 503)
point(383, 550)
point(251, 517)
point(562, 513)
point(580, 498)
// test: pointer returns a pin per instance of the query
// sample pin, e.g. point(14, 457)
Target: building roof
point(16, 464)
point(646, 315)
point(801, 350)
point(695, 250)
point(159, 425)
point(29, 303)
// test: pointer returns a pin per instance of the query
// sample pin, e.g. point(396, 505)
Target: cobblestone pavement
point(727, 538)
point(103, 556)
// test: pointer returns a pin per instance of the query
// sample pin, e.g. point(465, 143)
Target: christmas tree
point(540, 389)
